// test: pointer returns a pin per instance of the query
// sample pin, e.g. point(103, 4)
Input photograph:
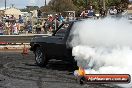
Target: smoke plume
point(103, 46)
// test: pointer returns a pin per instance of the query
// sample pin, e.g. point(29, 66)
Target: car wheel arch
point(35, 46)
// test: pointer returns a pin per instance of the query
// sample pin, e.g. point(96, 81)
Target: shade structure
point(13, 11)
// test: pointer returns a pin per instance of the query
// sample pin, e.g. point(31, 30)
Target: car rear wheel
point(40, 57)
point(74, 62)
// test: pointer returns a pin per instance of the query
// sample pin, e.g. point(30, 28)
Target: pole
point(5, 4)
point(86, 1)
point(55, 24)
point(45, 2)
point(104, 7)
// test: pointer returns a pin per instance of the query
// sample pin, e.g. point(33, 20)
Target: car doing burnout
point(53, 47)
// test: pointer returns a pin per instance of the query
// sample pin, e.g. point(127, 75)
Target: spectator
point(83, 14)
point(15, 28)
point(56, 22)
point(56, 17)
point(7, 27)
point(46, 26)
point(20, 20)
point(60, 18)
point(119, 10)
point(113, 11)
point(102, 12)
point(39, 13)
point(38, 28)
point(6, 18)
point(50, 18)
point(91, 12)
point(50, 23)
point(28, 27)
point(70, 17)
point(1, 28)
point(12, 17)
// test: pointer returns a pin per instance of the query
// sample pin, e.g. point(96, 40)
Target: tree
point(123, 3)
point(86, 3)
point(46, 8)
point(30, 8)
point(62, 5)
point(79, 5)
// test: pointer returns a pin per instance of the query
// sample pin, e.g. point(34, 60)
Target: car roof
point(72, 21)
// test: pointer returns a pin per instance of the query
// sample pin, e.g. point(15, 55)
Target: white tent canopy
point(13, 11)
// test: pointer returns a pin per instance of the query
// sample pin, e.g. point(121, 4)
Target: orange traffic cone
point(25, 50)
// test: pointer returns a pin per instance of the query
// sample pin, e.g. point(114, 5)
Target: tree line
point(79, 5)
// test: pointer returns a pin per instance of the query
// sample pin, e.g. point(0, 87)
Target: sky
point(22, 3)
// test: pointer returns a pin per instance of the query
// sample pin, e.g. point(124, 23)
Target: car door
point(57, 47)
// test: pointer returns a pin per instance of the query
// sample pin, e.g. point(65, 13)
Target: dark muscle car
point(53, 47)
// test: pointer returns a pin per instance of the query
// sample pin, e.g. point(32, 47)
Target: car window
point(62, 31)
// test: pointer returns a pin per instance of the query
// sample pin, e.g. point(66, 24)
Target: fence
point(16, 42)
point(18, 39)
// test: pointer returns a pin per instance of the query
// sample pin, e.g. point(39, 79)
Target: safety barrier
point(17, 42)
point(18, 39)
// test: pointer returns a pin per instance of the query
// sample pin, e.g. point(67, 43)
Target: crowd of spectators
point(90, 12)
point(10, 25)
point(13, 26)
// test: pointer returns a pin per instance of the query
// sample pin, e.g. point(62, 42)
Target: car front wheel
point(40, 57)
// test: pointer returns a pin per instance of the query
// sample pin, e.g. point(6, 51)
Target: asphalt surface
point(20, 71)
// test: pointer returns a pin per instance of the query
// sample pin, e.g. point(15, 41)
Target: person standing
point(83, 13)
point(39, 13)
point(28, 27)
point(119, 10)
point(70, 16)
point(1, 28)
point(57, 20)
point(113, 11)
point(12, 17)
point(50, 23)
point(15, 28)
point(7, 28)
point(38, 28)
point(60, 18)
point(102, 12)
point(20, 19)
point(91, 12)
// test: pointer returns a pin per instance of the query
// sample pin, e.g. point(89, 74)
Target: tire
point(74, 63)
point(40, 57)
point(82, 81)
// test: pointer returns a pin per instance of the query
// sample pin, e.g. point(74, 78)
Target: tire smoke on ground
point(103, 46)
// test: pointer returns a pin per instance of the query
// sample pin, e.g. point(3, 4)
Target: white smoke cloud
point(106, 32)
point(103, 46)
